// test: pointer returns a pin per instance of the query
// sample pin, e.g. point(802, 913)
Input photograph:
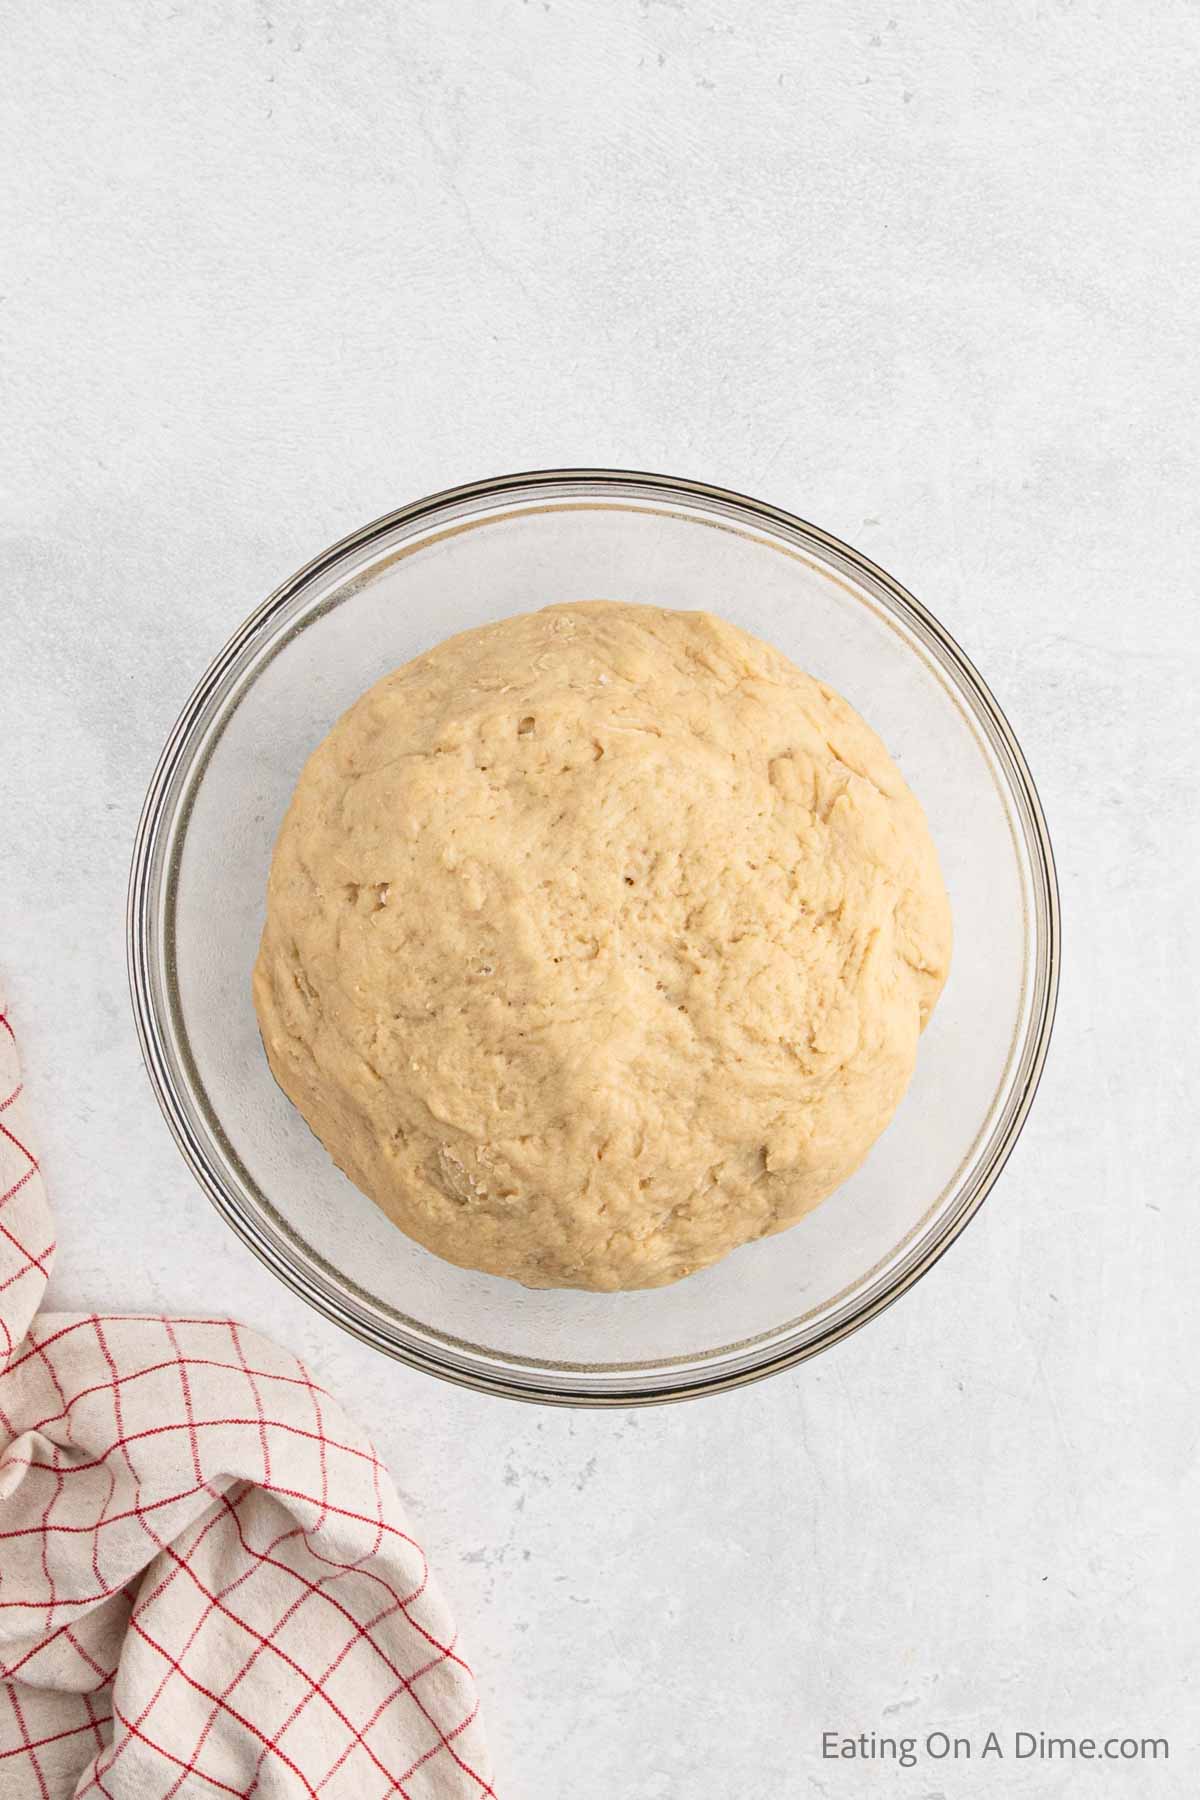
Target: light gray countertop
point(927, 276)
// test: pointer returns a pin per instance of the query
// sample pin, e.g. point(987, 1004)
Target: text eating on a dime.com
point(991, 1746)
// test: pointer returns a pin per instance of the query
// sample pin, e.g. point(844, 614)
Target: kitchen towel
point(206, 1584)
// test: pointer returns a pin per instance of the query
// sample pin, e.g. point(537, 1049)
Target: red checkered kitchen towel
point(206, 1586)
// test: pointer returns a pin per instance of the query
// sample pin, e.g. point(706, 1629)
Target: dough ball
point(598, 942)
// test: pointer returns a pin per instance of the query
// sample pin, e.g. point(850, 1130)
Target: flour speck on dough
point(598, 942)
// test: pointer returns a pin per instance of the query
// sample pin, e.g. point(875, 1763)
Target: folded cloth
point(206, 1586)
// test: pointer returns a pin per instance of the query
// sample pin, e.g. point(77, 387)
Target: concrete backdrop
point(927, 275)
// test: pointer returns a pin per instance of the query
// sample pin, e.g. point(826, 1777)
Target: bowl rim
point(146, 884)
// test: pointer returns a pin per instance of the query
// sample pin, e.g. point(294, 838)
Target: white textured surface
point(925, 274)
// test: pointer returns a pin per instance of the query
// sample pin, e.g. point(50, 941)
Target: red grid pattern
point(206, 1587)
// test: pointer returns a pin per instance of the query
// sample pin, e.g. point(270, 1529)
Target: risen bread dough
point(599, 941)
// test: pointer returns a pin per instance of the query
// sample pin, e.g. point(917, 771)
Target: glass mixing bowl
point(375, 600)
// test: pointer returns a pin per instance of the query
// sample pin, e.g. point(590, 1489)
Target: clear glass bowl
point(377, 599)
